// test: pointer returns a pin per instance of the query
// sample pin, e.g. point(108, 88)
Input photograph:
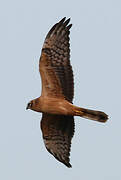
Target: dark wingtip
point(67, 21)
point(69, 26)
point(69, 165)
point(62, 20)
point(103, 117)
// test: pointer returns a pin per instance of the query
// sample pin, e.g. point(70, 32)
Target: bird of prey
point(55, 102)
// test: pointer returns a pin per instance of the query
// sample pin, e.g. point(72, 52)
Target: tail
point(91, 114)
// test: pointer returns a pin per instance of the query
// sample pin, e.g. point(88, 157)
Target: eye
point(30, 105)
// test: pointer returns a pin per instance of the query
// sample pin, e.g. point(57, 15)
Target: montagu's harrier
point(55, 102)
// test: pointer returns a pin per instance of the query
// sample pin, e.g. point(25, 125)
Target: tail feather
point(92, 114)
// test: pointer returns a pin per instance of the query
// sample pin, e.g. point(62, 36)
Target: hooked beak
point(27, 107)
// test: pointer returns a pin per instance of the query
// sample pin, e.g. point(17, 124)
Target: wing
point(57, 133)
point(55, 69)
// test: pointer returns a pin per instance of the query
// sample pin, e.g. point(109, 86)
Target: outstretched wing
point(55, 69)
point(57, 133)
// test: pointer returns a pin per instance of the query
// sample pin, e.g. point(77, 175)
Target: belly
point(55, 106)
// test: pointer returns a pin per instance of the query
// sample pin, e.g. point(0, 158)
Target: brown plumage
point(55, 102)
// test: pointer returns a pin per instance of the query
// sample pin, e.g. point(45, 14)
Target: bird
point(56, 100)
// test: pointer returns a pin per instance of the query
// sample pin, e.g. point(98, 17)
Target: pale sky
point(96, 59)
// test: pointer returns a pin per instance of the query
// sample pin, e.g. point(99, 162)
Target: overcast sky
point(96, 59)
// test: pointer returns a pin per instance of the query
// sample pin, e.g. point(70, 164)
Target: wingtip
point(69, 19)
point(62, 20)
point(66, 22)
point(69, 165)
point(69, 26)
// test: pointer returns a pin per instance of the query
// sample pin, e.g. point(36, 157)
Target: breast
point(55, 106)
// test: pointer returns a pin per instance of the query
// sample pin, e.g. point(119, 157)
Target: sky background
point(96, 59)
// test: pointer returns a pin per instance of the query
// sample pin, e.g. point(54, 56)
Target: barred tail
point(91, 114)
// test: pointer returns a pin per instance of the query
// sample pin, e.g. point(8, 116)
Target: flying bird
point(55, 102)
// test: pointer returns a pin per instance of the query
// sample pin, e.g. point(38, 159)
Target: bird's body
point(60, 106)
point(53, 106)
point(55, 102)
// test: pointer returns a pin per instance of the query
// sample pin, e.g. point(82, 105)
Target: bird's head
point(34, 105)
point(30, 105)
